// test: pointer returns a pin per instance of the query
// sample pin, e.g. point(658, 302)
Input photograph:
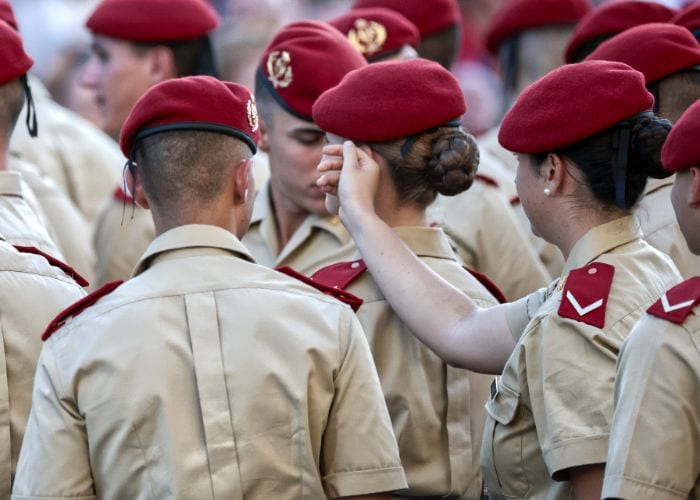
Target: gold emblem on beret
point(368, 37)
point(279, 67)
point(252, 110)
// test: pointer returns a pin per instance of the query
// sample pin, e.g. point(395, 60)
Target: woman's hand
point(351, 174)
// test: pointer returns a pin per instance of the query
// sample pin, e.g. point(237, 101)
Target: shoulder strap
point(55, 263)
point(489, 285)
point(676, 304)
point(585, 294)
point(343, 296)
point(340, 275)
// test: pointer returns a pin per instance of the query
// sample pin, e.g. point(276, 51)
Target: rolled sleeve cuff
point(575, 453)
point(519, 313)
point(633, 489)
point(345, 484)
point(10, 184)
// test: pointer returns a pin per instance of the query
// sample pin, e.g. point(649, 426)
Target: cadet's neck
point(575, 226)
point(4, 151)
point(288, 218)
point(230, 220)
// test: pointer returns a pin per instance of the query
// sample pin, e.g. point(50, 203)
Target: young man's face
point(682, 196)
point(118, 75)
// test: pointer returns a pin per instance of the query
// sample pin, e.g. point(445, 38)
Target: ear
point(161, 64)
point(553, 170)
point(694, 191)
point(133, 182)
point(244, 182)
point(264, 144)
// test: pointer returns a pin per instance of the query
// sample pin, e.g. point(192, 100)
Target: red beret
point(153, 20)
point(682, 148)
point(304, 60)
point(429, 16)
point(656, 49)
point(572, 103)
point(7, 14)
point(14, 62)
point(688, 17)
point(613, 18)
point(521, 15)
point(377, 32)
point(193, 103)
point(390, 100)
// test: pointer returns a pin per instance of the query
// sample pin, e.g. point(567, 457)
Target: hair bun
point(647, 137)
point(454, 162)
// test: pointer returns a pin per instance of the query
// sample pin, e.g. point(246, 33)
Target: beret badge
point(252, 112)
point(279, 67)
point(367, 37)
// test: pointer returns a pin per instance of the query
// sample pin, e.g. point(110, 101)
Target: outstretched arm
point(442, 316)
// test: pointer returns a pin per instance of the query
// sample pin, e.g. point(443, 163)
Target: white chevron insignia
point(582, 311)
point(669, 308)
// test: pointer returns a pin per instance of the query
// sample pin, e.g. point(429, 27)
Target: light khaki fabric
point(208, 376)
point(436, 410)
point(655, 435)
point(66, 224)
point(32, 293)
point(81, 159)
point(553, 406)
point(660, 228)
point(488, 239)
point(319, 241)
point(22, 221)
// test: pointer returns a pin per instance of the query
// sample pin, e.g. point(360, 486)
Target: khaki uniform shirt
point(655, 435)
point(661, 229)
point(82, 160)
point(32, 292)
point(436, 410)
point(487, 237)
point(66, 224)
point(319, 241)
point(207, 376)
point(22, 221)
point(552, 407)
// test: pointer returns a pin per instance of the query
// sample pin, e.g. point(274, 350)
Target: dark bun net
point(454, 162)
point(647, 138)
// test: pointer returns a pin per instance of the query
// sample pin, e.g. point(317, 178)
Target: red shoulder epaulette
point(585, 294)
point(78, 307)
point(340, 275)
point(343, 296)
point(677, 304)
point(56, 263)
point(486, 180)
point(122, 196)
point(489, 285)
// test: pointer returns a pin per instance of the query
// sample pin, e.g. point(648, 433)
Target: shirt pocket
point(502, 449)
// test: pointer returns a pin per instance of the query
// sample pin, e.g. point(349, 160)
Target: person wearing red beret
point(668, 56)
point(205, 375)
point(136, 44)
point(656, 430)
point(438, 21)
point(415, 136)
point(291, 226)
point(549, 414)
point(689, 17)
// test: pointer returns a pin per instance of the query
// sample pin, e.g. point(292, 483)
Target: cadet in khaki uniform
point(291, 226)
point(668, 55)
point(131, 53)
point(656, 431)
point(546, 433)
point(258, 386)
point(436, 410)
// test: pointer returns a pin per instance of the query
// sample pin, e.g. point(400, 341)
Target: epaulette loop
point(488, 284)
point(585, 295)
point(676, 304)
point(55, 263)
point(345, 297)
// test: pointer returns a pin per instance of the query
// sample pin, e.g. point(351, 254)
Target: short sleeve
point(54, 461)
point(656, 430)
point(519, 313)
point(571, 377)
point(353, 466)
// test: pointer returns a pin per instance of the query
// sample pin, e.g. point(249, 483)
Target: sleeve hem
point(575, 453)
point(633, 489)
point(364, 482)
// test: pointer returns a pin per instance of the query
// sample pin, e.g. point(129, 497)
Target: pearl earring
point(547, 192)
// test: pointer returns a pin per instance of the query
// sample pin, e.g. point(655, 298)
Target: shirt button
point(592, 270)
point(355, 265)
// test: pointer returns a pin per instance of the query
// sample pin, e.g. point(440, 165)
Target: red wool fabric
point(657, 49)
point(572, 103)
point(15, 61)
point(521, 15)
point(153, 20)
point(7, 14)
point(193, 103)
point(429, 16)
point(682, 147)
point(688, 17)
point(613, 18)
point(304, 60)
point(377, 32)
point(390, 100)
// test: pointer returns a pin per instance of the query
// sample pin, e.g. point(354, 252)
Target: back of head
point(598, 115)
point(303, 60)
point(438, 21)
point(408, 112)
point(377, 33)
point(607, 20)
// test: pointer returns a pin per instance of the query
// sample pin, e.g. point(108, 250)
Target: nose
point(89, 74)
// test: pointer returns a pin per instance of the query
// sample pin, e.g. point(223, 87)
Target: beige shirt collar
point(602, 239)
point(193, 239)
point(656, 184)
point(426, 241)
